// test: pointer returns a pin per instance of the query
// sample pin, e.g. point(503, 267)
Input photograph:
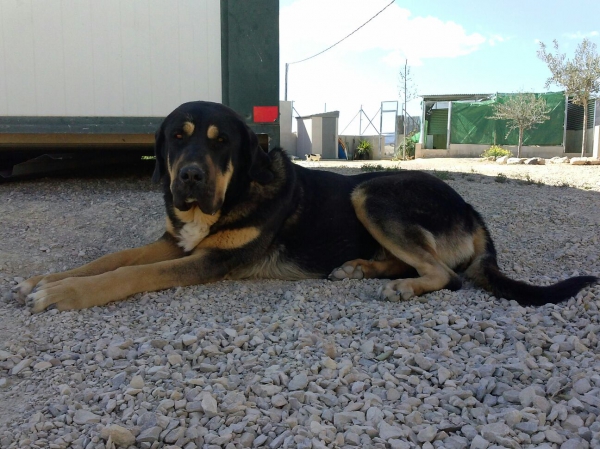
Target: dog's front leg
point(214, 257)
point(89, 291)
point(163, 249)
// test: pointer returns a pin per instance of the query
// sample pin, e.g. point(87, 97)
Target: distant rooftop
point(335, 114)
point(456, 97)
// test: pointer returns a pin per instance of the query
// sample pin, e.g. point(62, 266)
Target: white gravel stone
point(342, 418)
point(175, 359)
point(387, 431)
point(573, 423)
point(20, 366)
point(582, 386)
point(119, 435)
point(427, 434)
point(137, 382)
point(149, 435)
point(41, 366)
point(553, 436)
point(443, 374)
point(298, 382)
point(513, 417)
point(85, 417)
point(279, 400)
point(573, 443)
point(209, 406)
point(189, 340)
point(423, 362)
point(479, 443)
point(491, 431)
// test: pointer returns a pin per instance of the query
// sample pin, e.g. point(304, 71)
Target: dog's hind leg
point(390, 268)
point(411, 244)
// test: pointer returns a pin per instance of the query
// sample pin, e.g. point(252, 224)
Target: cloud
point(496, 38)
point(580, 35)
point(309, 26)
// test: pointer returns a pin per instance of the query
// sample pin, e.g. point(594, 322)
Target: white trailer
point(101, 74)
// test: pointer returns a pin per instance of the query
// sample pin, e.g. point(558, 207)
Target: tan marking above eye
point(212, 132)
point(188, 128)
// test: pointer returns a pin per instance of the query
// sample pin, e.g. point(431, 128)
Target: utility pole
point(287, 66)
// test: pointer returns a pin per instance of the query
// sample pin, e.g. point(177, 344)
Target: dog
point(313, 157)
point(234, 211)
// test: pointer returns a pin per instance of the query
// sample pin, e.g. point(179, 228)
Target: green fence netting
point(470, 123)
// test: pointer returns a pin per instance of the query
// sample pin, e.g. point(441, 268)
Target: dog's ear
point(160, 167)
point(259, 160)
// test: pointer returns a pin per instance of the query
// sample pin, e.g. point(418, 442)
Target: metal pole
point(564, 144)
point(360, 122)
point(286, 79)
point(372, 122)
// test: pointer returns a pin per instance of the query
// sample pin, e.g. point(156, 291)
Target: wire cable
point(351, 121)
point(343, 39)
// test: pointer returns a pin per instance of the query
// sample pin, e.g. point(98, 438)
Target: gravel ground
point(303, 364)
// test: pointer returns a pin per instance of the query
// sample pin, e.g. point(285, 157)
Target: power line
point(329, 48)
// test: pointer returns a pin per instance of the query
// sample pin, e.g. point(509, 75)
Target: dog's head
point(199, 148)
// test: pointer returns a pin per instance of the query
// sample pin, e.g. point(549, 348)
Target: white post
point(596, 146)
point(422, 137)
point(448, 127)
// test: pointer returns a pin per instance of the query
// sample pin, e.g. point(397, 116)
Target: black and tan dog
point(236, 212)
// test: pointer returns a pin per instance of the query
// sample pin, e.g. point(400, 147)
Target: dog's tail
point(484, 271)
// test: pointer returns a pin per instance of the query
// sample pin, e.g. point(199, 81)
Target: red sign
point(265, 114)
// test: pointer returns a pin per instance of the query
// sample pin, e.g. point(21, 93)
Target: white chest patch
point(195, 229)
point(191, 234)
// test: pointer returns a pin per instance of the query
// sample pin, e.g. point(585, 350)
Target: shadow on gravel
point(19, 167)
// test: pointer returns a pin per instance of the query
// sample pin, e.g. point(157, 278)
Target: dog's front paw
point(347, 271)
point(65, 294)
point(397, 290)
point(21, 290)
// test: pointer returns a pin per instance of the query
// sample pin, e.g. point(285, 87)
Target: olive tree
point(579, 77)
point(521, 111)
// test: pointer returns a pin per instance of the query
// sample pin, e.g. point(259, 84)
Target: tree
point(521, 111)
point(579, 77)
point(407, 92)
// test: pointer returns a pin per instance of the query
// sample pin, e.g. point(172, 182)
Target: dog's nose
point(191, 174)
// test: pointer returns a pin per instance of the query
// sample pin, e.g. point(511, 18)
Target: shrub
point(378, 167)
point(501, 178)
point(410, 147)
point(364, 150)
point(496, 151)
point(443, 175)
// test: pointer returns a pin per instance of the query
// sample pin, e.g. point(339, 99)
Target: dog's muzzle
point(190, 188)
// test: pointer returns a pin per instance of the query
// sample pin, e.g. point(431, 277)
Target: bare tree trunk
point(585, 119)
point(520, 142)
point(404, 112)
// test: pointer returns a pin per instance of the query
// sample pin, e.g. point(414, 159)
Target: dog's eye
point(179, 136)
point(220, 139)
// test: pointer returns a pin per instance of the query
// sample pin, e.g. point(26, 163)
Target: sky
point(452, 47)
